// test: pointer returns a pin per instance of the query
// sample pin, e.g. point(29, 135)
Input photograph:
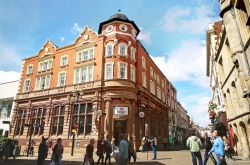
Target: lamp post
point(76, 94)
point(142, 116)
point(31, 128)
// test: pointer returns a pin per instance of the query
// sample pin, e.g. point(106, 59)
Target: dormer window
point(123, 27)
point(123, 49)
point(109, 28)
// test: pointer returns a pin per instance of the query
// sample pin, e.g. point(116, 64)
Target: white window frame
point(88, 77)
point(151, 72)
point(59, 79)
point(84, 55)
point(46, 83)
point(29, 71)
point(125, 51)
point(132, 73)
point(107, 51)
point(112, 70)
point(144, 80)
point(126, 70)
point(45, 65)
point(62, 62)
point(132, 52)
point(143, 62)
point(25, 88)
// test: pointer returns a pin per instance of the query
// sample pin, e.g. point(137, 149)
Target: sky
point(172, 31)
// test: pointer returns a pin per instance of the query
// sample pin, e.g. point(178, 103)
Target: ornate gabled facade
point(230, 70)
point(96, 86)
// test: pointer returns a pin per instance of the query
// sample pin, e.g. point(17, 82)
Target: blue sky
point(173, 32)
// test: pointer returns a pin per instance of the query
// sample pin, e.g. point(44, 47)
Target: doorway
point(120, 126)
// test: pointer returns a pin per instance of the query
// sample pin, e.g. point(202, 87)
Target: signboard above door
point(121, 111)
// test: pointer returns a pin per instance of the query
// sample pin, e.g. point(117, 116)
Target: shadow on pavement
point(34, 162)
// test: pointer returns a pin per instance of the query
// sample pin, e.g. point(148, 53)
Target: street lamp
point(31, 128)
point(76, 95)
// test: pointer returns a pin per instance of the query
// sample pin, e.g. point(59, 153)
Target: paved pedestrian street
point(181, 157)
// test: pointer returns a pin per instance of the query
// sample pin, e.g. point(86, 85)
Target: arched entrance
point(244, 139)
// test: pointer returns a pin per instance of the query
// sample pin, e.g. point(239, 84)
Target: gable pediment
point(48, 49)
point(86, 36)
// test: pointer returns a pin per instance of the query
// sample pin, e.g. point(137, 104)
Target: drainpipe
point(241, 41)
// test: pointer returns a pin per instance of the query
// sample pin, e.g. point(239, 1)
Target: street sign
point(141, 114)
point(73, 130)
point(6, 122)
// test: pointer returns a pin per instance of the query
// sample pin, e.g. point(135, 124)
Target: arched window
point(123, 49)
point(109, 50)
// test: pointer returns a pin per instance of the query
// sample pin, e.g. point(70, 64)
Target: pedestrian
point(208, 145)
point(107, 149)
point(8, 149)
point(57, 152)
point(100, 150)
point(115, 150)
point(194, 143)
point(227, 147)
point(123, 150)
point(218, 148)
point(88, 158)
point(153, 142)
point(171, 141)
point(143, 144)
point(165, 141)
point(131, 149)
point(32, 145)
point(42, 152)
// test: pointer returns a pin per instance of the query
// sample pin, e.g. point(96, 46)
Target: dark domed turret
point(119, 15)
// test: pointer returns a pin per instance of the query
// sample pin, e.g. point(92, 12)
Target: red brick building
point(95, 86)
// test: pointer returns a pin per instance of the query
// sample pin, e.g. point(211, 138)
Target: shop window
point(20, 122)
point(37, 120)
point(58, 120)
point(82, 118)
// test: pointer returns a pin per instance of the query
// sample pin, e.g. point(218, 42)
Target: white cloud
point(61, 39)
point(10, 58)
point(76, 28)
point(6, 76)
point(199, 110)
point(186, 63)
point(186, 19)
point(144, 36)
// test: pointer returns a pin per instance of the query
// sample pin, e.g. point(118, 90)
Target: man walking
point(208, 146)
point(153, 141)
point(194, 143)
point(218, 148)
point(123, 150)
point(42, 152)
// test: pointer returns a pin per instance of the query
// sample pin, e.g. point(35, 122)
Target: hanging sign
point(121, 111)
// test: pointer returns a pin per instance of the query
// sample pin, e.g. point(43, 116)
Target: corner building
point(96, 86)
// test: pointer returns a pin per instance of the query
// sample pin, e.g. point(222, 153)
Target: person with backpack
point(194, 143)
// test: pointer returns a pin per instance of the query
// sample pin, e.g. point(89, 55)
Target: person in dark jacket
point(8, 150)
point(89, 152)
point(42, 152)
point(208, 145)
